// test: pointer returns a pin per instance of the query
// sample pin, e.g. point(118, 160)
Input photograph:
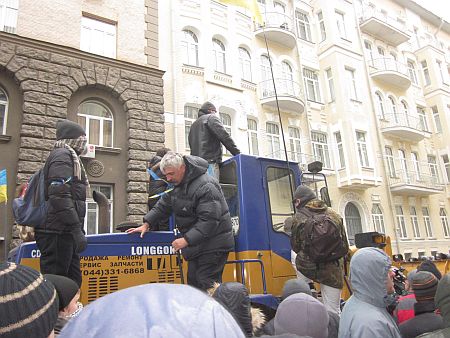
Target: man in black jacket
point(61, 238)
point(206, 135)
point(201, 214)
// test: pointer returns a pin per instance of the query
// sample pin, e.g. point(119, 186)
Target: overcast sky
point(438, 7)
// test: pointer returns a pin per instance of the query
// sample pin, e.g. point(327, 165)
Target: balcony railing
point(390, 65)
point(388, 20)
point(290, 95)
point(390, 71)
point(403, 126)
point(277, 20)
point(416, 178)
point(278, 27)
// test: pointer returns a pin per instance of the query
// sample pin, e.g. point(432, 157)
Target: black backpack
point(323, 241)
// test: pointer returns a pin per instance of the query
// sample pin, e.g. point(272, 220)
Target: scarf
point(75, 146)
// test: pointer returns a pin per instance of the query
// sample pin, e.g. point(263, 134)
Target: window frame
point(295, 144)
point(252, 134)
point(321, 149)
point(427, 222)
point(380, 105)
point(245, 63)
point(400, 217)
point(330, 82)
point(190, 114)
point(340, 21)
point(219, 54)
point(425, 72)
point(390, 161)
point(340, 148)
point(311, 78)
point(378, 218)
point(227, 123)
point(351, 83)
point(415, 221)
point(437, 119)
point(444, 222)
point(13, 8)
point(90, 201)
point(412, 71)
point(108, 29)
point(87, 127)
point(423, 118)
point(189, 46)
point(362, 148)
point(273, 140)
point(303, 25)
point(4, 103)
point(322, 28)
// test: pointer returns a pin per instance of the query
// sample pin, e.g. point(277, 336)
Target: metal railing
point(389, 64)
point(401, 120)
point(377, 14)
point(416, 178)
point(277, 20)
point(242, 263)
point(285, 87)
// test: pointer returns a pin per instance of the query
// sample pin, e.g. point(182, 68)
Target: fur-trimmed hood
point(234, 297)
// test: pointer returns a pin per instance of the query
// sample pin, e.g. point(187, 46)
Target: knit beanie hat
point(411, 275)
point(293, 286)
point(65, 287)
point(66, 129)
point(28, 303)
point(424, 285)
point(207, 106)
point(305, 194)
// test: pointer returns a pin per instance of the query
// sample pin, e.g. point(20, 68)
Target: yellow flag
point(251, 5)
point(3, 195)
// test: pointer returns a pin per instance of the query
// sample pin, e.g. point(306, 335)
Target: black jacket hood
point(195, 166)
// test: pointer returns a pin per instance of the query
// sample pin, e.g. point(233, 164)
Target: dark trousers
point(58, 255)
point(205, 270)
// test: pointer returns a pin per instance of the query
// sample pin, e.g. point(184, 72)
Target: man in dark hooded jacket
point(61, 239)
point(205, 138)
point(328, 274)
point(201, 214)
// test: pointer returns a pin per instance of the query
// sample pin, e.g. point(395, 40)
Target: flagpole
point(279, 117)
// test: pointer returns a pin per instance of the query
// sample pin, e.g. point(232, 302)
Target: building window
point(393, 56)
point(416, 165)
point(3, 111)
point(441, 73)
point(380, 51)
point(426, 73)
point(403, 164)
point(97, 121)
point(352, 221)
point(323, 32)
point(266, 77)
point(340, 22)
point(351, 84)
point(245, 62)
point(92, 212)
point(337, 136)
point(422, 119)
point(393, 109)
point(273, 139)
point(390, 161)
point(412, 72)
point(378, 219)
point(303, 26)
point(8, 15)
point(295, 144)
point(401, 221)
point(226, 121)
point(287, 76)
point(432, 165)
point(219, 56)
point(444, 222)
point(437, 119)
point(362, 148)
point(427, 222)
point(415, 222)
point(320, 148)
point(190, 115)
point(368, 48)
point(380, 105)
point(252, 132)
point(98, 37)
point(189, 46)
point(446, 167)
point(312, 85)
point(331, 91)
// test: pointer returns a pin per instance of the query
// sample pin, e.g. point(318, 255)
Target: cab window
point(229, 185)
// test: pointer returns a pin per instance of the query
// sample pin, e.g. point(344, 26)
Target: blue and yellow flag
point(3, 196)
point(251, 5)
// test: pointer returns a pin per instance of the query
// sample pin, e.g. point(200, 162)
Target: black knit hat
point(66, 129)
point(65, 287)
point(28, 303)
point(424, 285)
point(207, 106)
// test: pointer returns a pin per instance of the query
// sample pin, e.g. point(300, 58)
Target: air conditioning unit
point(90, 151)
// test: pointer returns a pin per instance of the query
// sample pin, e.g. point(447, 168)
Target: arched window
point(245, 62)
point(368, 47)
point(378, 219)
point(295, 144)
point(273, 139)
point(393, 109)
point(352, 221)
point(219, 56)
point(404, 116)
point(265, 68)
point(252, 133)
point(189, 45)
point(97, 120)
point(380, 105)
point(3, 111)
point(226, 121)
point(287, 86)
point(444, 222)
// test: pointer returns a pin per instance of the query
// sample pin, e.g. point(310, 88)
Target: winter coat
point(154, 310)
point(201, 212)
point(365, 314)
point(156, 187)
point(405, 308)
point(67, 201)
point(442, 301)
point(205, 138)
point(425, 320)
point(328, 273)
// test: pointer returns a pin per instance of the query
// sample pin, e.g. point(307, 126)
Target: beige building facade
point(90, 62)
point(362, 86)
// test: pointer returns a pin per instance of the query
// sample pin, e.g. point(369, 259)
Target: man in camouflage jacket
point(329, 274)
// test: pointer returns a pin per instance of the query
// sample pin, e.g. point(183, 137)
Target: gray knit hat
point(66, 129)
point(207, 106)
point(28, 303)
point(424, 285)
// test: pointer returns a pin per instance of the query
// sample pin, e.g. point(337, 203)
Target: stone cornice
point(73, 52)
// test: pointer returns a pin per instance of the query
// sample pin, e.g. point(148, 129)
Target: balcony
point(278, 28)
point(390, 72)
point(290, 96)
point(402, 126)
point(383, 27)
point(414, 183)
point(362, 180)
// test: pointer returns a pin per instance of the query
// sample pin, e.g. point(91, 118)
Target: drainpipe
point(174, 77)
point(379, 135)
point(103, 212)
